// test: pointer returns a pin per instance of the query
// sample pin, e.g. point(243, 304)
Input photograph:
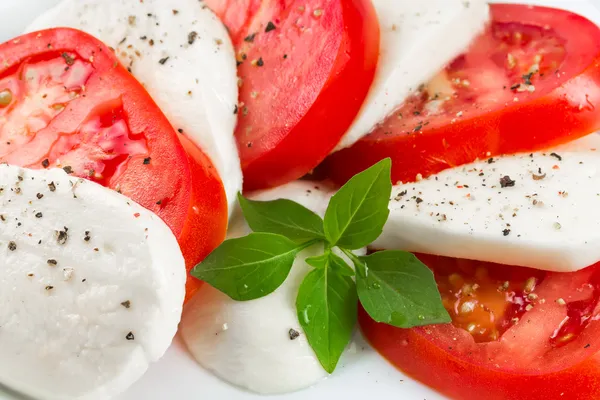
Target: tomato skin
point(205, 228)
point(312, 81)
point(557, 116)
point(185, 191)
point(521, 364)
point(415, 352)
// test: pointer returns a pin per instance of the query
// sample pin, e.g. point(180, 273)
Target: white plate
point(362, 372)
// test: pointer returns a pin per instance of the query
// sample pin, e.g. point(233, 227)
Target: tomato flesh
point(66, 102)
point(531, 81)
point(305, 68)
point(516, 333)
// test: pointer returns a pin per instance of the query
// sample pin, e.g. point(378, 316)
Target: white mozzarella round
point(418, 39)
point(539, 210)
point(248, 343)
point(92, 286)
point(181, 53)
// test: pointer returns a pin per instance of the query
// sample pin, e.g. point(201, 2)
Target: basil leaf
point(326, 306)
point(357, 212)
point(321, 261)
point(249, 267)
point(284, 217)
point(339, 265)
point(399, 290)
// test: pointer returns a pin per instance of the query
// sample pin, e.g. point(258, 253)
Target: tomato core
point(487, 299)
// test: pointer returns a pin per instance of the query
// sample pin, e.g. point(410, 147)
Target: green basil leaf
point(249, 267)
point(400, 290)
point(339, 265)
point(326, 306)
point(357, 212)
point(284, 217)
point(321, 261)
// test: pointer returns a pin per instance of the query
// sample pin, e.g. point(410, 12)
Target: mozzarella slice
point(418, 39)
point(539, 210)
point(252, 344)
point(92, 286)
point(182, 54)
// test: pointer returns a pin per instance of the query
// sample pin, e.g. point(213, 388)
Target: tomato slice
point(305, 67)
point(516, 333)
point(65, 101)
point(531, 81)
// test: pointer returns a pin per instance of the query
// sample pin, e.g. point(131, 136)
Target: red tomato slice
point(531, 81)
point(66, 102)
point(517, 333)
point(305, 67)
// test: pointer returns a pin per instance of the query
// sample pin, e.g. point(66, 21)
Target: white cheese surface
point(547, 215)
point(418, 39)
point(91, 286)
point(248, 343)
point(181, 53)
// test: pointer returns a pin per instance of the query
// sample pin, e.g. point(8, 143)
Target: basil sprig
point(394, 287)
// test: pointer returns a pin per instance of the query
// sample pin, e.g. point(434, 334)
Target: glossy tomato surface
point(516, 334)
point(531, 81)
point(305, 67)
point(66, 102)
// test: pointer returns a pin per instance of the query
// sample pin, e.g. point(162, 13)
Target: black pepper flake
point(52, 187)
point(192, 37)
point(45, 163)
point(52, 262)
point(419, 200)
point(505, 181)
point(260, 62)
point(418, 128)
point(559, 158)
point(147, 160)
point(515, 86)
point(235, 109)
point(175, 12)
point(270, 27)
point(587, 346)
point(68, 169)
point(130, 336)
point(491, 160)
point(49, 287)
point(39, 196)
point(293, 334)
point(126, 304)
point(62, 236)
point(284, 56)
point(143, 37)
point(12, 246)
point(162, 61)
point(527, 78)
point(39, 215)
point(250, 38)
point(68, 59)
point(180, 130)
point(87, 236)
point(506, 232)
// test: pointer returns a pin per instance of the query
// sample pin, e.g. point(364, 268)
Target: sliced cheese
point(91, 286)
point(539, 210)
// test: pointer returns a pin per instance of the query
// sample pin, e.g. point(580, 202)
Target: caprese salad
point(426, 170)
